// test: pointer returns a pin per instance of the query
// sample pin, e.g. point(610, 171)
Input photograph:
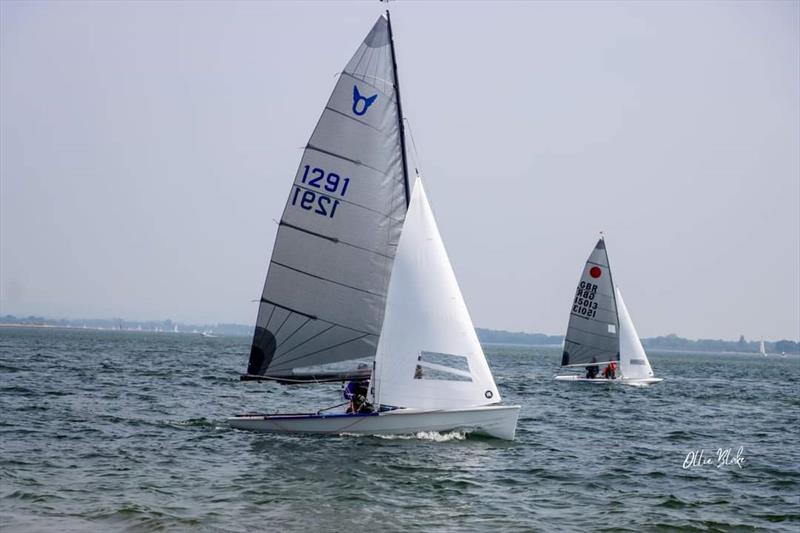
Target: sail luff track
point(399, 109)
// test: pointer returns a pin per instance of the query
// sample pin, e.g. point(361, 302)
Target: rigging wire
point(414, 147)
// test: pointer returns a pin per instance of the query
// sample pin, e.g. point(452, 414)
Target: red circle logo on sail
point(595, 272)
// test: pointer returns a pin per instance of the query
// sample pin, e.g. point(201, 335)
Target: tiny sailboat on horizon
point(600, 329)
point(359, 272)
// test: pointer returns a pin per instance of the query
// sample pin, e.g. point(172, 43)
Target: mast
point(611, 277)
point(399, 109)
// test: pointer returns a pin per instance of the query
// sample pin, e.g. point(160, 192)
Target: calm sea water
point(118, 431)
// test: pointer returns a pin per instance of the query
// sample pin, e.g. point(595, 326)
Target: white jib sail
point(633, 363)
point(428, 355)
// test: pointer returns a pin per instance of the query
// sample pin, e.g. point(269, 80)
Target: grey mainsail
point(593, 330)
point(324, 296)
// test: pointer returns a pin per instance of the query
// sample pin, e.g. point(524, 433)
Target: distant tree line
point(669, 342)
point(516, 337)
point(129, 325)
point(673, 342)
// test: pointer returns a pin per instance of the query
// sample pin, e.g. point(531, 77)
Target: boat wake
point(195, 423)
point(433, 436)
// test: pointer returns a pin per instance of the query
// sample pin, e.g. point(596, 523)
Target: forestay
point(593, 331)
point(428, 356)
point(325, 292)
point(633, 363)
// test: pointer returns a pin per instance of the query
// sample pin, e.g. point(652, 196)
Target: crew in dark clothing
point(357, 391)
point(592, 371)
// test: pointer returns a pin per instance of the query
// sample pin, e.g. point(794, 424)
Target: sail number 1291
point(320, 203)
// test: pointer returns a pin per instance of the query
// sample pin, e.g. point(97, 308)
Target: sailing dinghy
point(600, 329)
point(369, 277)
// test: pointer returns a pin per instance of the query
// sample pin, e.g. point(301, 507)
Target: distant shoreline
point(669, 344)
point(110, 330)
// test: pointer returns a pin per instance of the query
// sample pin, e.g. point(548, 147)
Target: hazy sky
point(146, 148)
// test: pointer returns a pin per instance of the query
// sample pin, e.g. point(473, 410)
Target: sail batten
point(348, 202)
point(306, 273)
point(348, 117)
point(325, 292)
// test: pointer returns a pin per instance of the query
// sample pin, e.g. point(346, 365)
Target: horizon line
point(190, 324)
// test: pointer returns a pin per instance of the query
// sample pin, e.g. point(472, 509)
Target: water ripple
point(126, 432)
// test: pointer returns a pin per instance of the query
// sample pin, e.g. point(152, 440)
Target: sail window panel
point(335, 344)
point(435, 372)
point(359, 269)
point(457, 362)
point(442, 366)
point(325, 300)
point(594, 331)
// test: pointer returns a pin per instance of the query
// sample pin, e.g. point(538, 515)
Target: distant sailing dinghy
point(359, 271)
point(761, 349)
point(601, 331)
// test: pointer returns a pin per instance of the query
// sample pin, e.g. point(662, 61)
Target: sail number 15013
point(319, 202)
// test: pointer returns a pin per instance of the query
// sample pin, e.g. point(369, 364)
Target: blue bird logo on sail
point(367, 101)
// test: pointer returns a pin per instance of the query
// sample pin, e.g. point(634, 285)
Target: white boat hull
point(635, 382)
point(498, 421)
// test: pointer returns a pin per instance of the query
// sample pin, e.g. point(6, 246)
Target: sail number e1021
point(319, 202)
point(584, 304)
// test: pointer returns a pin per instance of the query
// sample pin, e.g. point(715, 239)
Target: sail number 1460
point(320, 203)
